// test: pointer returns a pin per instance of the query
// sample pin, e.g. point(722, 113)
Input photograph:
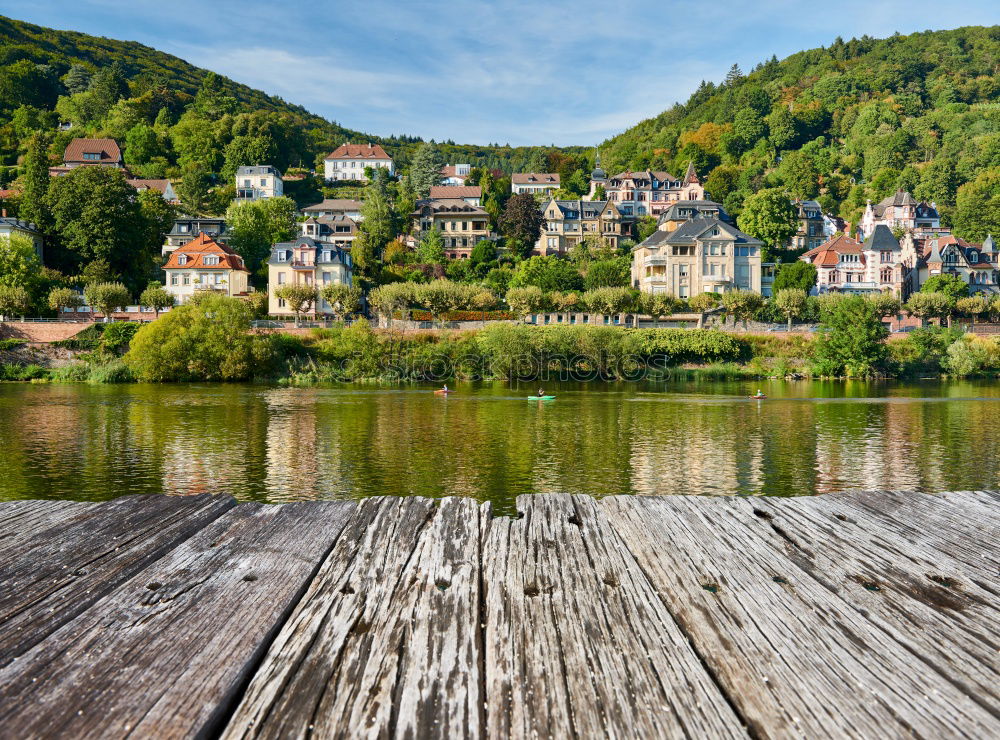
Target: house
point(471, 194)
point(900, 211)
point(702, 255)
point(567, 222)
point(305, 261)
point(976, 265)
point(186, 228)
point(811, 230)
point(455, 174)
point(331, 207)
point(462, 224)
point(259, 181)
point(536, 183)
point(348, 161)
point(846, 265)
point(10, 226)
point(340, 231)
point(651, 192)
point(204, 264)
point(90, 153)
point(163, 187)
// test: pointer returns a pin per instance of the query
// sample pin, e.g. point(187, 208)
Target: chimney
point(3, 213)
point(847, 227)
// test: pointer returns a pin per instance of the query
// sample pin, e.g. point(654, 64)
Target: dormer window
point(92, 156)
point(182, 259)
point(212, 259)
point(973, 257)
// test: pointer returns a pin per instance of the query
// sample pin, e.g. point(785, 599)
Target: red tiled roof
point(140, 184)
point(456, 191)
point(535, 178)
point(358, 151)
point(107, 148)
point(841, 243)
point(199, 248)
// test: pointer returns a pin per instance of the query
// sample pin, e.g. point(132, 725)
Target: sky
point(477, 72)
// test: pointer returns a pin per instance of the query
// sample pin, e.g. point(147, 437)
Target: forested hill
point(46, 75)
point(855, 120)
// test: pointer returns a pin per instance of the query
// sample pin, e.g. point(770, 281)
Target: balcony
point(302, 264)
point(651, 261)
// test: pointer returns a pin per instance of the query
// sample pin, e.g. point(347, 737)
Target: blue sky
point(557, 72)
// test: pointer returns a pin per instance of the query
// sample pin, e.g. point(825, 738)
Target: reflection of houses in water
point(292, 465)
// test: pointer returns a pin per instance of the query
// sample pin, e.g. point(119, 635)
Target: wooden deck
point(845, 615)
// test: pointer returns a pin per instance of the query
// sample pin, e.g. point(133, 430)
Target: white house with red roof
point(348, 161)
point(877, 265)
point(204, 264)
point(536, 183)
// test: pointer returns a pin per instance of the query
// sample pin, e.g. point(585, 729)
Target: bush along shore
point(212, 340)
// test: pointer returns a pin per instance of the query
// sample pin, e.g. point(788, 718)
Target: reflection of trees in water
point(281, 444)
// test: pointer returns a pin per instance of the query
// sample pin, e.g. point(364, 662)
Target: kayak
point(758, 398)
point(443, 392)
point(541, 398)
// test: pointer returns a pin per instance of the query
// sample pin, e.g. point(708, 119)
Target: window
point(886, 275)
point(281, 303)
point(173, 280)
point(184, 228)
point(182, 259)
point(187, 279)
point(263, 182)
point(212, 259)
point(886, 256)
point(247, 183)
point(281, 278)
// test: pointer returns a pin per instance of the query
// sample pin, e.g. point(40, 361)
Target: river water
point(277, 444)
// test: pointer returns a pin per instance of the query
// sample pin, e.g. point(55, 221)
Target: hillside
point(45, 75)
point(845, 123)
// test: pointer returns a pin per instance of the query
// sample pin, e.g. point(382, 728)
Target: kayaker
point(445, 389)
point(540, 393)
point(759, 393)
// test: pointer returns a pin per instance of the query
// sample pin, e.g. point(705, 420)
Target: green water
point(273, 444)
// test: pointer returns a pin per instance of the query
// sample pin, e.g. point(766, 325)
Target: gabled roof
point(200, 247)
point(679, 210)
point(358, 151)
point(582, 209)
point(336, 254)
point(658, 175)
point(145, 184)
point(903, 198)
point(691, 176)
point(16, 223)
point(448, 205)
point(335, 204)
point(881, 239)
point(841, 243)
point(257, 169)
point(107, 148)
point(696, 229)
point(535, 178)
point(988, 244)
point(456, 191)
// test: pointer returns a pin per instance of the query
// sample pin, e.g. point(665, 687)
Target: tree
point(19, 263)
point(36, 180)
point(852, 340)
point(951, 285)
point(548, 273)
point(646, 226)
point(791, 302)
point(600, 193)
point(299, 297)
point(378, 228)
point(769, 216)
point(742, 304)
point(192, 190)
point(257, 225)
point(977, 206)
point(141, 144)
point(613, 273)
point(97, 215)
point(524, 301)
point(748, 128)
point(107, 297)
point(393, 297)
point(77, 80)
point(64, 298)
point(658, 305)
point(930, 305)
point(440, 296)
point(799, 275)
point(483, 300)
point(431, 249)
point(886, 304)
point(207, 339)
point(156, 297)
point(611, 300)
point(344, 300)
point(521, 223)
point(14, 299)
point(425, 168)
point(973, 306)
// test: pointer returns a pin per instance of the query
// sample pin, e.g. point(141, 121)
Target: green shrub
point(11, 343)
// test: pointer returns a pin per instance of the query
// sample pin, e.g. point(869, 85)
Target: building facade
point(649, 193)
point(536, 183)
point(339, 231)
point(461, 224)
point(335, 207)
point(702, 255)
point(204, 264)
point(845, 265)
point(186, 228)
point(455, 174)
point(305, 261)
point(811, 232)
point(471, 194)
point(163, 186)
point(900, 211)
point(10, 226)
point(348, 162)
point(682, 211)
point(567, 222)
point(976, 265)
point(91, 152)
point(257, 182)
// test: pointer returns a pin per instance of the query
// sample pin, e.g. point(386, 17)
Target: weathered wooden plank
point(794, 656)
point(167, 653)
point(961, 526)
point(385, 643)
point(578, 642)
point(22, 523)
point(80, 558)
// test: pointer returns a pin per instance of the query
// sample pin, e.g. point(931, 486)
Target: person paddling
point(540, 393)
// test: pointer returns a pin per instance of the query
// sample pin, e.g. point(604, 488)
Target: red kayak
point(757, 398)
point(443, 392)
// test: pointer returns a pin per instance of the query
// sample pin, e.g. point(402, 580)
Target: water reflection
point(282, 444)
